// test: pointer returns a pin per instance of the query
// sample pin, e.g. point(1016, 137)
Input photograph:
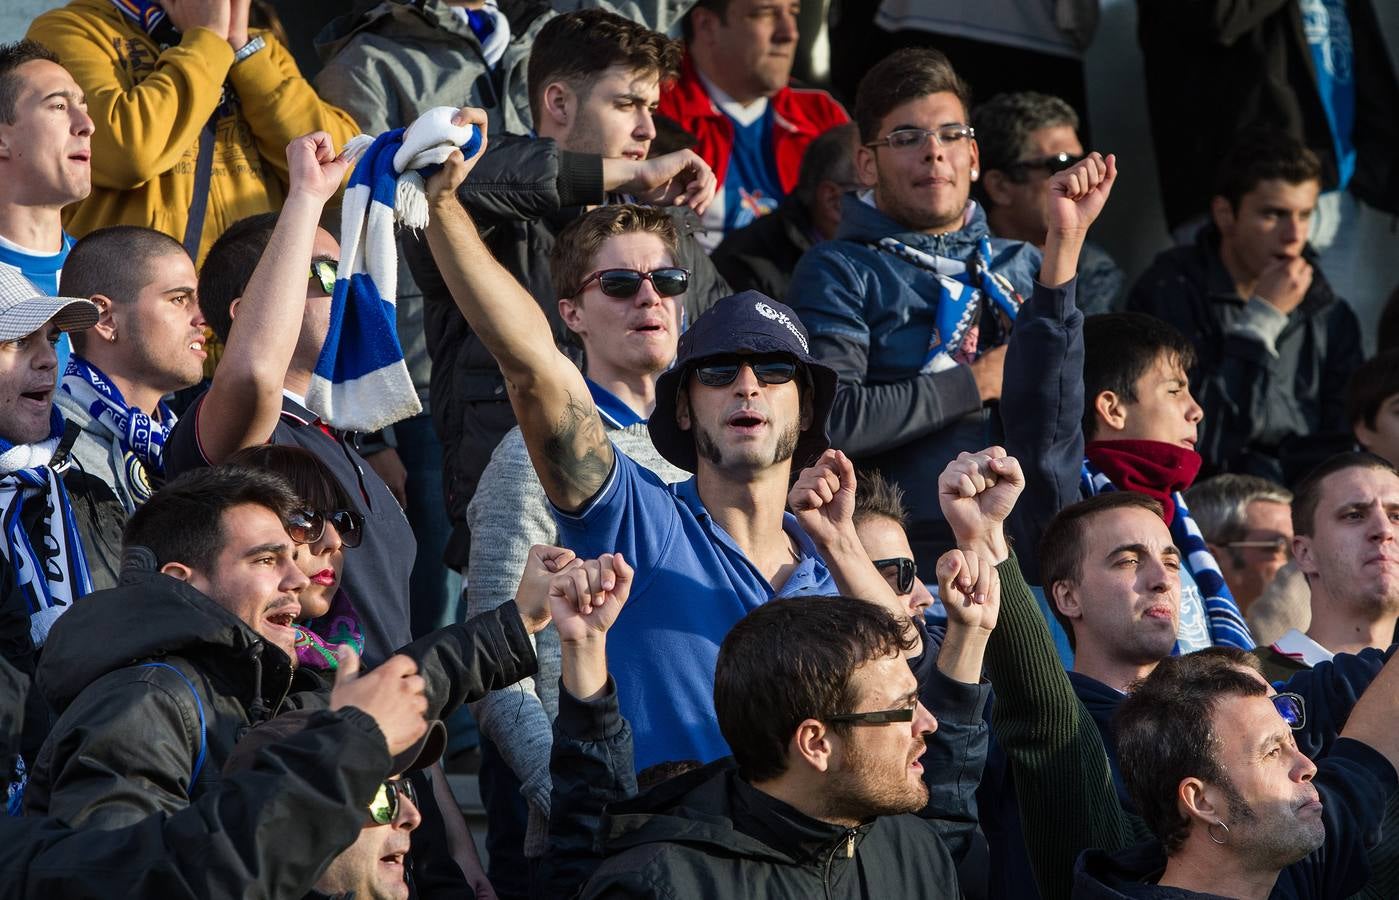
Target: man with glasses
point(913, 302)
point(881, 521)
point(1247, 525)
point(621, 297)
point(375, 865)
point(855, 755)
point(1024, 138)
point(743, 404)
point(249, 289)
point(1112, 572)
point(148, 342)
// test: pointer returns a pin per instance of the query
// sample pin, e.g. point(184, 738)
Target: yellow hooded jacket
point(149, 107)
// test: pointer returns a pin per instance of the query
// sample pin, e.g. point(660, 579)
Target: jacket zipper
point(849, 844)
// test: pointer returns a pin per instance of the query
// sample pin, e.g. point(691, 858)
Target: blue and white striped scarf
point(361, 382)
point(965, 286)
point(136, 432)
point(52, 574)
point(1226, 622)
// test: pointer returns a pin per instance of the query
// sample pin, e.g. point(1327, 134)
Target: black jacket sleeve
point(1042, 412)
point(232, 843)
point(1355, 782)
point(592, 765)
point(522, 178)
point(956, 752)
point(462, 663)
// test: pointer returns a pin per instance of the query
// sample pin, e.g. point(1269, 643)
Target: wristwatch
point(248, 49)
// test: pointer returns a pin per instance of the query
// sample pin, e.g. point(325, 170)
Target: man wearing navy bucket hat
point(744, 403)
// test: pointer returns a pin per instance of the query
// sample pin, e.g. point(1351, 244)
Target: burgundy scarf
point(1154, 468)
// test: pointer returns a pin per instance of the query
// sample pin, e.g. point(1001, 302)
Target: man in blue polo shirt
point(743, 403)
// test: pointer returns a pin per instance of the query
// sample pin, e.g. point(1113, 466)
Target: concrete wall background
point(15, 16)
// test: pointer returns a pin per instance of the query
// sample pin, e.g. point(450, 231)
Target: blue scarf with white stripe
point(1226, 622)
point(52, 573)
point(361, 382)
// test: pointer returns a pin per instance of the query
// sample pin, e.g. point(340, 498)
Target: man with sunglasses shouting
point(743, 403)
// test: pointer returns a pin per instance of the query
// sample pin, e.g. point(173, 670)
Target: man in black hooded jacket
point(195, 648)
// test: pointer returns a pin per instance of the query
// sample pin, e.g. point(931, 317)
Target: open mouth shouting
point(747, 422)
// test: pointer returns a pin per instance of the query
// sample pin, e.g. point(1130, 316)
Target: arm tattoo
point(576, 450)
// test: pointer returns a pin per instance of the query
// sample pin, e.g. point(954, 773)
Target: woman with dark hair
point(327, 617)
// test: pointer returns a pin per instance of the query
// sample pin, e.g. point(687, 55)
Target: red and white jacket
point(799, 116)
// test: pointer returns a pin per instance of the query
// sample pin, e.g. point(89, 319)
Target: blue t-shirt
point(43, 271)
point(751, 186)
point(692, 585)
point(1327, 28)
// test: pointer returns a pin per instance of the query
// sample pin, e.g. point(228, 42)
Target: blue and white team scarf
point(53, 574)
point(361, 382)
point(1226, 622)
point(965, 285)
point(136, 432)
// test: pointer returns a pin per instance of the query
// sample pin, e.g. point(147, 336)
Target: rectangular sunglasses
point(722, 370)
point(623, 284)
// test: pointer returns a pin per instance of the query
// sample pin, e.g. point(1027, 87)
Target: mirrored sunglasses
point(384, 808)
point(324, 272)
point(308, 526)
point(1292, 708)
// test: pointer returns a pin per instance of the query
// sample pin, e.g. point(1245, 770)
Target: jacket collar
point(863, 222)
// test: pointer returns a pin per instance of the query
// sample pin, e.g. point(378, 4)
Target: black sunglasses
point(624, 283)
point(307, 526)
point(877, 717)
point(721, 370)
point(384, 808)
point(325, 271)
point(905, 569)
point(1053, 164)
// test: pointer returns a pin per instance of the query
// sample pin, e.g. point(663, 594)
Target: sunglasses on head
point(903, 568)
point(308, 526)
point(718, 371)
point(670, 281)
point(324, 273)
point(384, 808)
point(1292, 708)
point(1053, 164)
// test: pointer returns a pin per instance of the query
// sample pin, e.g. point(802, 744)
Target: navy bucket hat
point(746, 323)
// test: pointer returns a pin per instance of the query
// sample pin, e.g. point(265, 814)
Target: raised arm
point(245, 399)
point(560, 424)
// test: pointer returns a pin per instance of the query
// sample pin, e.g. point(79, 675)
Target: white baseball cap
point(24, 309)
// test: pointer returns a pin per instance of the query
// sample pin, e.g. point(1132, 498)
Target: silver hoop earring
point(1210, 831)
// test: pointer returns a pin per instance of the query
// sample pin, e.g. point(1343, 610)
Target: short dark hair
point(1264, 155)
point(113, 262)
point(1165, 733)
point(720, 8)
point(831, 157)
point(904, 75)
point(1307, 495)
point(183, 521)
point(1005, 123)
point(790, 660)
point(312, 481)
point(228, 267)
point(12, 56)
point(579, 46)
point(876, 496)
point(1119, 348)
point(1065, 542)
point(1373, 383)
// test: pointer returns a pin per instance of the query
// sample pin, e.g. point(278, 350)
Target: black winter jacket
point(1269, 411)
point(708, 833)
point(1216, 67)
point(128, 737)
point(763, 255)
point(1354, 782)
point(521, 193)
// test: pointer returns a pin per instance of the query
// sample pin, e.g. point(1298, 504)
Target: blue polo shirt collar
point(614, 413)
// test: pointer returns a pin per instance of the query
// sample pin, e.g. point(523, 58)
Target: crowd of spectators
point(776, 496)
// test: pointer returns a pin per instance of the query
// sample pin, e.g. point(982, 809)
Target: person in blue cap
point(743, 404)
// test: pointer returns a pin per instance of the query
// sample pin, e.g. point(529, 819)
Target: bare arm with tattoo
point(566, 439)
